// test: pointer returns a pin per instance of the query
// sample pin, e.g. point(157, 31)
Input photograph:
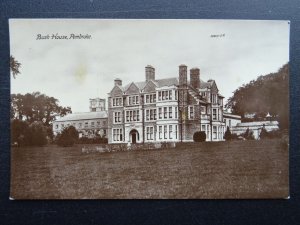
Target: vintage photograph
point(149, 109)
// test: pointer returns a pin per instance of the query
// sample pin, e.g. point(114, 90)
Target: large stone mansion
point(160, 110)
point(165, 110)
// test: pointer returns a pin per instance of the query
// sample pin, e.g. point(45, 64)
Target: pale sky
point(74, 71)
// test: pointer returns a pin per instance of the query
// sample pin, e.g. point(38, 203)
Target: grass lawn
point(242, 169)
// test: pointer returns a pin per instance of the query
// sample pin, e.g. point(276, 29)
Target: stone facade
point(88, 124)
point(165, 110)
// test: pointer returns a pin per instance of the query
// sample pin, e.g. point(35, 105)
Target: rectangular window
point(176, 95)
point(208, 131)
point(214, 114)
point(117, 102)
point(176, 112)
point(133, 100)
point(160, 113)
point(159, 96)
point(176, 131)
point(86, 124)
point(98, 123)
point(170, 94)
point(163, 95)
point(214, 132)
point(203, 128)
point(137, 115)
point(149, 133)
point(132, 115)
point(117, 134)
point(80, 125)
point(127, 116)
point(117, 117)
point(170, 112)
point(160, 132)
point(165, 131)
point(170, 131)
point(150, 98)
point(165, 112)
point(92, 124)
point(147, 115)
point(191, 114)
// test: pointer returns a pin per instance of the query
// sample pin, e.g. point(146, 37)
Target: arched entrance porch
point(134, 136)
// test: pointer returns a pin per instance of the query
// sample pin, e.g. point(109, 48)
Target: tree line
point(266, 94)
point(31, 116)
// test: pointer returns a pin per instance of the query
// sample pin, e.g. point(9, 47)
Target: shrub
point(227, 135)
point(199, 136)
point(68, 137)
point(248, 135)
point(234, 137)
point(38, 134)
point(24, 134)
point(264, 133)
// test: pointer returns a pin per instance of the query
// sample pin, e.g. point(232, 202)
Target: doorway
point(134, 134)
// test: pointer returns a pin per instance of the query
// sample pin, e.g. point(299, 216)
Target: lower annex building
point(165, 110)
point(89, 124)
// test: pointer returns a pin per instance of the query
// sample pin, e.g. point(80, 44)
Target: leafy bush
point(24, 134)
point(227, 135)
point(270, 134)
point(248, 135)
point(264, 133)
point(68, 137)
point(199, 136)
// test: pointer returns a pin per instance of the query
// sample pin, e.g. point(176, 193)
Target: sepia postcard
point(149, 109)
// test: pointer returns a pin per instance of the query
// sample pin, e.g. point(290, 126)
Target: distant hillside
point(266, 94)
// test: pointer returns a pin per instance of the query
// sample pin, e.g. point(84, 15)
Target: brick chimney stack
point(182, 74)
point(118, 82)
point(195, 78)
point(150, 72)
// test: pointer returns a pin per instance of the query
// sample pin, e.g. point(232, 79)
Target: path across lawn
point(242, 169)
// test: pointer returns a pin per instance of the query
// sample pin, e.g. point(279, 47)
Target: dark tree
point(14, 66)
point(227, 135)
point(264, 133)
point(266, 94)
point(248, 135)
point(36, 107)
point(68, 137)
point(24, 134)
point(199, 136)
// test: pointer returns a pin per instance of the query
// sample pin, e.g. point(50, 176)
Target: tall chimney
point(195, 78)
point(118, 82)
point(182, 74)
point(150, 72)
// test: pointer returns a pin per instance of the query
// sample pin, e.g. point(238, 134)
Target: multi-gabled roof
point(162, 83)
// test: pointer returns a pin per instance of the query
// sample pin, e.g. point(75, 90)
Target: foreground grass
point(245, 169)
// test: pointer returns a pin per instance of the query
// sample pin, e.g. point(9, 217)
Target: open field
point(243, 169)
